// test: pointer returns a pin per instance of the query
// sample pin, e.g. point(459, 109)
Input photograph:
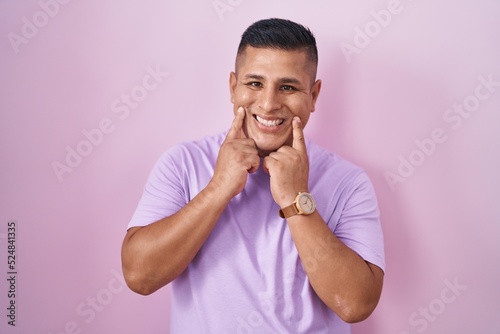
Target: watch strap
point(289, 211)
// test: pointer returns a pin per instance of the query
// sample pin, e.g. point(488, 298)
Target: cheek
point(244, 97)
point(302, 109)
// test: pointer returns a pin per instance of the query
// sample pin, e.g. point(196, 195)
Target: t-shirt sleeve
point(164, 193)
point(359, 224)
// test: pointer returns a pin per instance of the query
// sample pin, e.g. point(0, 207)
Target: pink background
point(64, 68)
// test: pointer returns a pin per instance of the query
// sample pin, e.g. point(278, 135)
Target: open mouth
point(269, 122)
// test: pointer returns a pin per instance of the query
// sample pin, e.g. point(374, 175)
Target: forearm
point(339, 276)
point(154, 255)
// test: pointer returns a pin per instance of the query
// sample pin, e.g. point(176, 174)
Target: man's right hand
point(238, 156)
point(156, 254)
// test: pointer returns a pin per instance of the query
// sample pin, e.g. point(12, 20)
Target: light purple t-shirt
point(247, 277)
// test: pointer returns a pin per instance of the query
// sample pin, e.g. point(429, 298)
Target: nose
point(269, 100)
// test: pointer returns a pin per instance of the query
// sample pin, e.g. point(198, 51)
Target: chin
point(267, 143)
point(266, 149)
point(264, 153)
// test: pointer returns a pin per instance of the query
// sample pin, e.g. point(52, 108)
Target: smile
point(269, 123)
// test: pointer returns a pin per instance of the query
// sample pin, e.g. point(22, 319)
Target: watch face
point(306, 203)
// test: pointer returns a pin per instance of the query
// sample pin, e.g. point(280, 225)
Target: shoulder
point(207, 146)
point(336, 179)
point(325, 163)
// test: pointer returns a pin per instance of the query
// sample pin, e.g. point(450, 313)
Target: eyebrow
point(287, 80)
point(254, 76)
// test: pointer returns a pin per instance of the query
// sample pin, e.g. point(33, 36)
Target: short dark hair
point(280, 34)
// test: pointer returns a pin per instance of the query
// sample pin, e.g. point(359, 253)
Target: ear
point(232, 85)
point(316, 88)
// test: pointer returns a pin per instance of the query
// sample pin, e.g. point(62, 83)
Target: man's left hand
point(289, 168)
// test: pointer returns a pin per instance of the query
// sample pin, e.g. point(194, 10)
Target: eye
point(255, 84)
point(287, 88)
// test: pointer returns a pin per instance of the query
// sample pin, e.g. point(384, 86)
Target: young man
point(259, 230)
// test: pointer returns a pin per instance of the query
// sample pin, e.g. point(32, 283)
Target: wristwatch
point(303, 204)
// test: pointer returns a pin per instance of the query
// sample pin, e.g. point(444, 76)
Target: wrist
point(289, 197)
point(218, 192)
point(287, 201)
point(302, 204)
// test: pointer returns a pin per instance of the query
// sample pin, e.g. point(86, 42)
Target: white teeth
point(265, 122)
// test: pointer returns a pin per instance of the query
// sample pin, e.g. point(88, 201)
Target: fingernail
point(240, 110)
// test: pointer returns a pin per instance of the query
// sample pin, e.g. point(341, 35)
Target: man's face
point(273, 86)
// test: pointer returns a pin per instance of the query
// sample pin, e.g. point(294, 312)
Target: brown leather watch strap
point(289, 211)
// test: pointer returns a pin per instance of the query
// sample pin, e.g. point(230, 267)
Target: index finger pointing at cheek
point(298, 135)
point(236, 127)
